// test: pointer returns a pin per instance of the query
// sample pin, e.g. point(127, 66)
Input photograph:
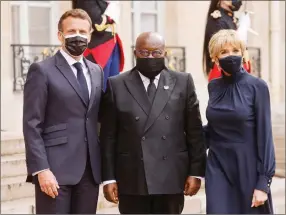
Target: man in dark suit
point(152, 143)
point(61, 103)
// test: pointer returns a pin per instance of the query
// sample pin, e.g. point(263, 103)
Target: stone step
point(278, 131)
point(20, 206)
point(12, 145)
point(280, 154)
point(279, 203)
point(13, 188)
point(279, 141)
point(13, 165)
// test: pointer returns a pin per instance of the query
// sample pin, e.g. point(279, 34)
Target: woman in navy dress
point(241, 160)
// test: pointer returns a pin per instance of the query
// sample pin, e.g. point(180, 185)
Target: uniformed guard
point(220, 16)
point(105, 47)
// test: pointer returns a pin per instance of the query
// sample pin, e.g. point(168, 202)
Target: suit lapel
point(67, 72)
point(94, 83)
point(164, 90)
point(136, 88)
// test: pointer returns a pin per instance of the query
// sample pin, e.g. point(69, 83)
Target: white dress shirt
point(146, 82)
point(72, 61)
point(86, 73)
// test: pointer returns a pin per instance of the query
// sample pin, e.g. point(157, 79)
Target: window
point(147, 16)
point(34, 22)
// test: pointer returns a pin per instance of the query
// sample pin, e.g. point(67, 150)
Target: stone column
point(275, 51)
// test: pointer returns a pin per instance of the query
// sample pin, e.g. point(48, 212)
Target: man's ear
point(61, 37)
point(89, 38)
point(89, 35)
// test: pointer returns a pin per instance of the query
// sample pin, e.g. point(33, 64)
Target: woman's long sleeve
point(265, 147)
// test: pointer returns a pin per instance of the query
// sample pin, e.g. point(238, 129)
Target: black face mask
point(150, 67)
point(231, 64)
point(75, 44)
point(236, 5)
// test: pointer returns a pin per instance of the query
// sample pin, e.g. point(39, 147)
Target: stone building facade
point(182, 23)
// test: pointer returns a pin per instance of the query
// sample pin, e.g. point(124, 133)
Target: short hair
point(75, 13)
point(222, 38)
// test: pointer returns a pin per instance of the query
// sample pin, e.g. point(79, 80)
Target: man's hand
point(111, 192)
point(48, 183)
point(258, 199)
point(192, 186)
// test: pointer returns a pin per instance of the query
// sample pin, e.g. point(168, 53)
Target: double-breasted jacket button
point(137, 118)
point(85, 139)
point(143, 138)
point(164, 157)
point(167, 117)
point(164, 137)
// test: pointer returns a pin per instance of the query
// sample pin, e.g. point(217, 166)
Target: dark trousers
point(151, 204)
point(72, 199)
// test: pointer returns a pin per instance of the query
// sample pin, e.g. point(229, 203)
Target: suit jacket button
point(164, 157)
point(167, 117)
point(85, 139)
point(143, 138)
point(142, 158)
point(164, 138)
point(137, 118)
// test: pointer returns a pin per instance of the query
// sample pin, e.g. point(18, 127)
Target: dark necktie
point(82, 81)
point(151, 90)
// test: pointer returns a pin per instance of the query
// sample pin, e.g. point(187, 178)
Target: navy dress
point(239, 137)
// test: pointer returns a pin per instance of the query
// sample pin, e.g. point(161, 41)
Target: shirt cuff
point(198, 177)
point(108, 182)
point(36, 173)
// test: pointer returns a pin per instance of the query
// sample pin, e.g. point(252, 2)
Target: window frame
point(136, 12)
point(23, 16)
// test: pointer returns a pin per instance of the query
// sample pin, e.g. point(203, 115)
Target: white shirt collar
point(69, 59)
point(145, 79)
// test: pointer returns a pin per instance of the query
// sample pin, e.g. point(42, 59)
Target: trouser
point(72, 199)
point(151, 204)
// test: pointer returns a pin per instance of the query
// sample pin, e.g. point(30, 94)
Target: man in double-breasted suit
point(151, 134)
point(61, 102)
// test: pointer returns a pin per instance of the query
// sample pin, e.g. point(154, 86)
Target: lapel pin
point(166, 87)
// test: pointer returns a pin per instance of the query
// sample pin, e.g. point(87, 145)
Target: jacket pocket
point(183, 150)
point(123, 153)
point(56, 141)
point(54, 128)
point(55, 131)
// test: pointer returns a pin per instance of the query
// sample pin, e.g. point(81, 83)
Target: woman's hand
point(258, 199)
